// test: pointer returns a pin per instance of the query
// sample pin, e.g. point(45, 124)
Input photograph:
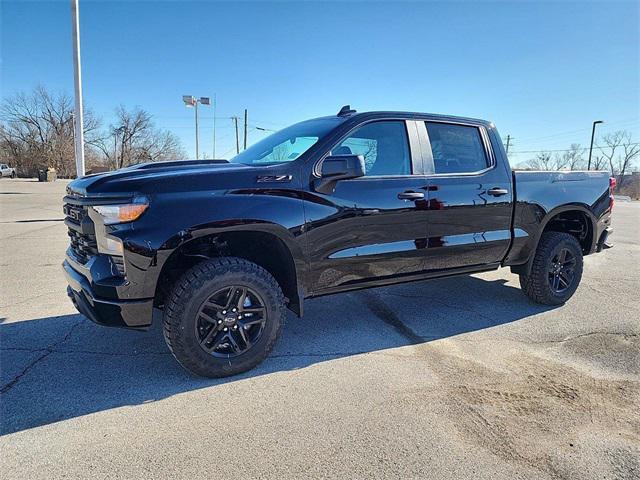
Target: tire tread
point(190, 282)
point(535, 284)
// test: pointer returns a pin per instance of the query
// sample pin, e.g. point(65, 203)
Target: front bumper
point(113, 312)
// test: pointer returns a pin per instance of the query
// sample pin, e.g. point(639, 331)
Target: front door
point(373, 226)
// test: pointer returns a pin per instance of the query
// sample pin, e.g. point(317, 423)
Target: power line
point(205, 117)
point(570, 132)
point(227, 152)
point(569, 149)
point(279, 125)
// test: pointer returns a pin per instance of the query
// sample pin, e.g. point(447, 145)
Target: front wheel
point(223, 317)
point(556, 271)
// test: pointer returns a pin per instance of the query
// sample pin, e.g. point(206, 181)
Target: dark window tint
point(383, 145)
point(456, 148)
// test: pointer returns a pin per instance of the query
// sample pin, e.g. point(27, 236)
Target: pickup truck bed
point(542, 196)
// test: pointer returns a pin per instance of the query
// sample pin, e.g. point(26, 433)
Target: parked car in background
point(338, 203)
point(7, 171)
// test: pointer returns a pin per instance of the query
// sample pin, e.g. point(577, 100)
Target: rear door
point(470, 197)
point(372, 227)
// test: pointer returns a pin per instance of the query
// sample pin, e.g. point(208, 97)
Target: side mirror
point(338, 167)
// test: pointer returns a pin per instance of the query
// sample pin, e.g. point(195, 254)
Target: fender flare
point(525, 268)
point(185, 236)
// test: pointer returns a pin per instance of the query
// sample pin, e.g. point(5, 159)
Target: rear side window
point(384, 146)
point(456, 148)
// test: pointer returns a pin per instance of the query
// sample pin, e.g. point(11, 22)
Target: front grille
point(83, 246)
point(119, 264)
point(81, 232)
point(83, 242)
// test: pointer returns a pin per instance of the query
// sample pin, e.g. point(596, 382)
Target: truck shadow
point(59, 368)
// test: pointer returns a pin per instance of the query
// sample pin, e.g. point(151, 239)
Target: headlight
point(122, 213)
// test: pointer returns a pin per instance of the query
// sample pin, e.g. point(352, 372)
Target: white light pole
point(78, 117)
point(191, 101)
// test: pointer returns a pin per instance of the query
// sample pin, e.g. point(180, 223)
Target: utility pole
point(235, 120)
point(245, 128)
point(215, 107)
point(77, 68)
point(593, 132)
point(197, 146)
point(508, 143)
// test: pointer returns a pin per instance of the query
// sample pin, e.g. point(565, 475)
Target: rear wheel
point(556, 271)
point(223, 317)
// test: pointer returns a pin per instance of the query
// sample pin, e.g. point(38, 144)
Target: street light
point(593, 131)
point(191, 101)
point(77, 77)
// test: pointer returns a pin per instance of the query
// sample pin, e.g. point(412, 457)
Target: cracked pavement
point(455, 378)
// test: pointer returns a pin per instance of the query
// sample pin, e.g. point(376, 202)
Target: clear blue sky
point(541, 71)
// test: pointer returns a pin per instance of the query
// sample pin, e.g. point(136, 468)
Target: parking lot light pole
point(191, 101)
point(593, 132)
point(77, 67)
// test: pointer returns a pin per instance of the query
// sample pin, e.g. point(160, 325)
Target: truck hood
point(154, 177)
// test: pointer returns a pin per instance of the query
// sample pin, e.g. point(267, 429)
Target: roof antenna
point(346, 110)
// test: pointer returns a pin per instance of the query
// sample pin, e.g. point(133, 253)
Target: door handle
point(411, 195)
point(496, 192)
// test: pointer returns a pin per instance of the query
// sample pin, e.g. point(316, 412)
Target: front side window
point(456, 148)
point(384, 146)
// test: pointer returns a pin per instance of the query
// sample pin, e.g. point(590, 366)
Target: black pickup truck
point(338, 203)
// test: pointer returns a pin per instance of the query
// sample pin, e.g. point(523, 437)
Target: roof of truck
point(347, 113)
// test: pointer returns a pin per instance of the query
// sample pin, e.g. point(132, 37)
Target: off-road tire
point(189, 293)
point(536, 285)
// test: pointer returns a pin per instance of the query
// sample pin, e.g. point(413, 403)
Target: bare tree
point(572, 158)
point(599, 161)
point(37, 131)
point(560, 162)
point(542, 161)
point(134, 139)
point(630, 151)
point(612, 142)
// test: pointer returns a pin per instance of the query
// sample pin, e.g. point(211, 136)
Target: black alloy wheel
point(231, 321)
point(223, 316)
point(562, 271)
point(556, 269)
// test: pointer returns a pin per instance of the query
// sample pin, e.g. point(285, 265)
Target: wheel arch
point(269, 245)
point(558, 220)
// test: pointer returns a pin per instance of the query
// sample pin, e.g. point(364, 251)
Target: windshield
point(287, 144)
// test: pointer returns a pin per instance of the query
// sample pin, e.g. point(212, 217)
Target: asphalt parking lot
point(455, 378)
